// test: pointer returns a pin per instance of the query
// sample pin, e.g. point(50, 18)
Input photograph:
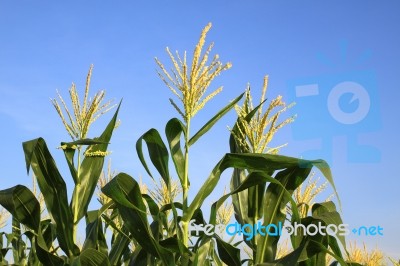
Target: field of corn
point(95, 214)
point(150, 226)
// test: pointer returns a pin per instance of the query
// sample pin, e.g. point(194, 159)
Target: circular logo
point(359, 93)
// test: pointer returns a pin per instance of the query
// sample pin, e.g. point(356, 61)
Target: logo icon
point(337, 104)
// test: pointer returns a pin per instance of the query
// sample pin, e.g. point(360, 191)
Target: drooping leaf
point(125, 192)
point(252, 162)
point(173, 131)
point(92, 257)
point(326, 212)
point(46, 257)
point(229, 254)
point(158, 154)
point(153, 207)
point(22, 205)
point(54, 190)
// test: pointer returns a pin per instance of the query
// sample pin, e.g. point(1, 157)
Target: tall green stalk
point(185, 185)
point(76, 196)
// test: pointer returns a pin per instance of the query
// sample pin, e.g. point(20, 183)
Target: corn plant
point(252, 133)
point(54, 241)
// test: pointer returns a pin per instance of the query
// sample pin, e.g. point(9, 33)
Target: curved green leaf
point(43, 254)
point(326, 212)
point(92, 257)
point(228, 253)
point(157, 151)
point(54, 190)
point(22, 205)
point(254, 179)
point(266, 163)
point(153, 207)
point(173, 131)
point(125, 192)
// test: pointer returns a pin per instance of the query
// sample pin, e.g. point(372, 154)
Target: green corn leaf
point(90, 172)
point(214, 120)
point(95, 238)
point(201, 254)
point(110, 223)
point(73, 144)
point(119, 246)
point(326, 212)
point(172, 244)
point(54, 190)
point(69, 157)
point(18, 245)
point(254, 179)
point(22, 205)
point(158, 154)
point(312, 253)
point(274, 208)
point(48, 233)
point(173, 131)
point(240, 201)
point(334, 246)
point(139, 258)
point(290, 259)
point(125, 192)
point(43, 254)
point(153, 207)
point(32, 257)
point(92, 257)
point(251, 162)
point(339, 258)
point(228, 253)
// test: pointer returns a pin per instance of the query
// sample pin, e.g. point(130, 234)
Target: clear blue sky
point(45, 46)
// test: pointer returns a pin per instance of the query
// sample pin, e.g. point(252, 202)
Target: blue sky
point(45, 46)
